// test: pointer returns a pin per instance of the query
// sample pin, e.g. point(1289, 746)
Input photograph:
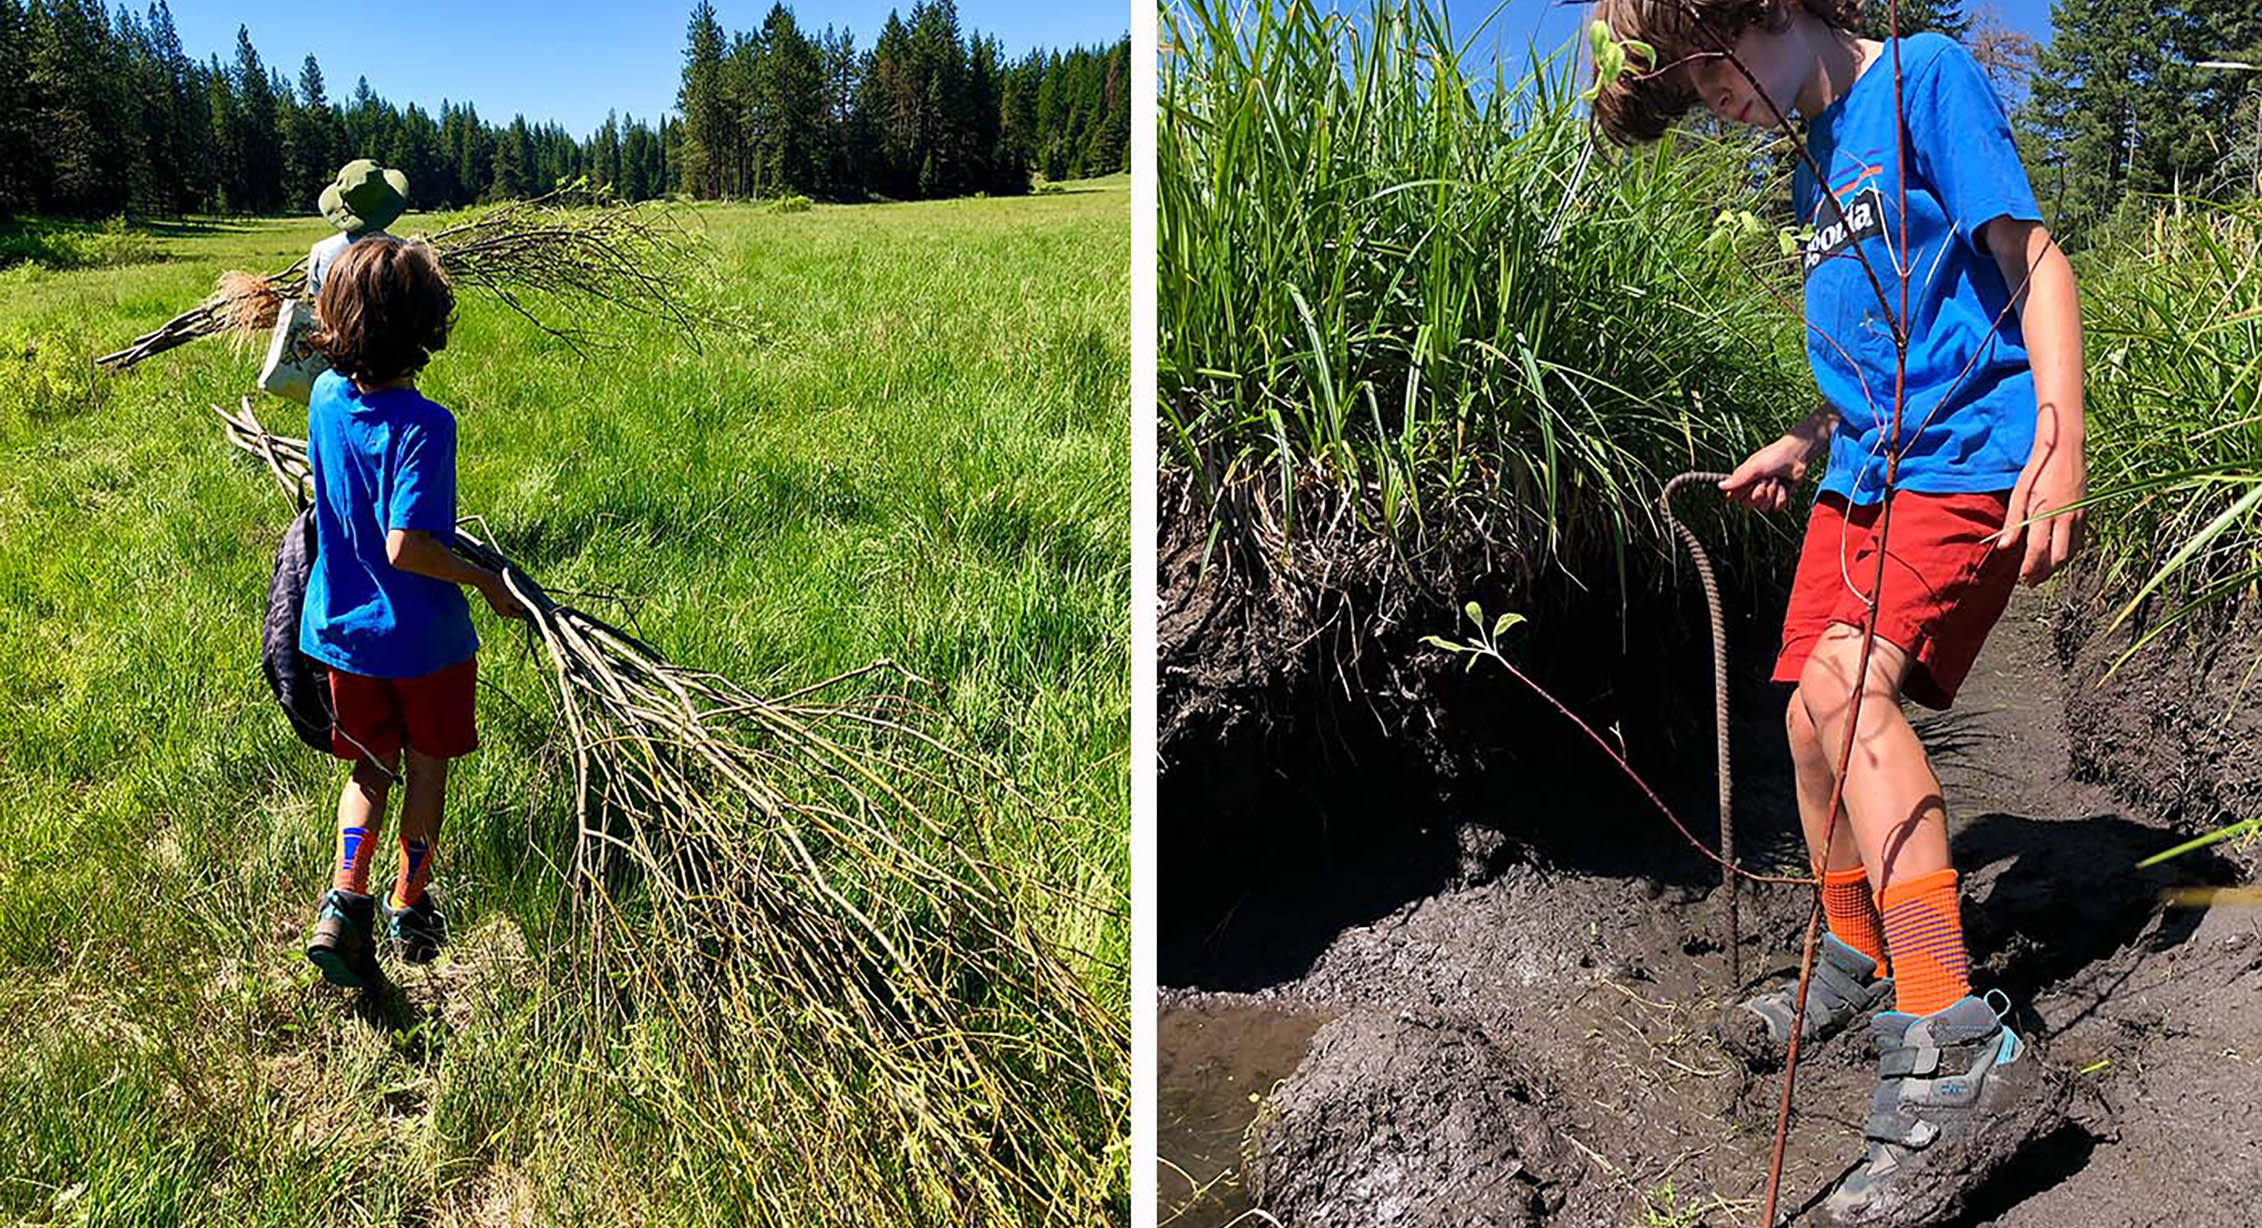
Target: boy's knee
point(1798, 723)
point(1825, 685)
point(1827, 681)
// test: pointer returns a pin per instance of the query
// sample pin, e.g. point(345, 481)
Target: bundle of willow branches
point(794, 892)
point(633, 256)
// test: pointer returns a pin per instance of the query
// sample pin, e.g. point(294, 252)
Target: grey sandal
point(1957, 1097)
point(1759, 1028)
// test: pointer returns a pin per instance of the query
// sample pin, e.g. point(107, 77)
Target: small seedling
point(1611, 57)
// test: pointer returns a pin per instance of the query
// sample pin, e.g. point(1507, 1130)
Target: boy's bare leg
point(1849, 902)
point(421, 808)
point(1899, 821)
point(1815, 771)
point(361, 822)
point(1900, 824)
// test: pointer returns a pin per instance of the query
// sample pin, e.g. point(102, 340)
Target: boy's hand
point(1767, 477)
point(499, 599)
point(2055, 477)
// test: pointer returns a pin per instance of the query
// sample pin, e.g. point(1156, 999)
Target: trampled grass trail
point(917, 451)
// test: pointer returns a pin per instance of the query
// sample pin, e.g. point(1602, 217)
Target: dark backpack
point(301, 683)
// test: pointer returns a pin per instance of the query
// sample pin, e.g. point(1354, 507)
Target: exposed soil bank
point(1288, 755)
point(2177, 727)
point(1523, 990)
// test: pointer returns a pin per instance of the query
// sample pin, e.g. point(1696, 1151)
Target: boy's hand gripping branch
point(414, 550)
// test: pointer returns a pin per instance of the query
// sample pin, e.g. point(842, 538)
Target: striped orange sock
point(1852, 912)
point(1925, 931)
point(352, 872)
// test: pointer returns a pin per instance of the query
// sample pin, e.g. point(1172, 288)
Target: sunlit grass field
point(917, 448)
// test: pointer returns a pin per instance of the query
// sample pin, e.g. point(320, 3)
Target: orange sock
point(416, 870)
point(352, 872)
point(1925, 932)
point(1852, 912)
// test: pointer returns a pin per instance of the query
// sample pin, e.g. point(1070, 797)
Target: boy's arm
point(2055, 476)
point(1766, 478)
point(416, 551)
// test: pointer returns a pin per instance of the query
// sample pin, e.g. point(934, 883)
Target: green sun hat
point(364, 197)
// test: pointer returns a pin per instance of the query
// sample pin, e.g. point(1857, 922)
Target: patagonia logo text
point(1864, 219)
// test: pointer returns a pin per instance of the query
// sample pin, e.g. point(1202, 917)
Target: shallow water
point(1217, 1057)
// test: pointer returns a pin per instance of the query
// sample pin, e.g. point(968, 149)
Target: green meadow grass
point(917, 449)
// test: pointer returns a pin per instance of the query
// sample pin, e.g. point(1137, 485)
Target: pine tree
point(1018, 130)
point(985, 108)
point(363, 123)
point(180, 140)
point(138, 94)
point(943, 124)
point(102, 112)
point(310, 144)
point(2006, 55)
point(605, 153)
point(257, 139)
point(891, 103)
point(2086, 105)
point(1914, 17)
point(16, 144)
point(1112, 149)
point(73, 168)
point(789, 98)
point(705, 108)
point(223, 124)
point(844, 137)
point(513, 174)
point(2231, 33)
point(634, 184)
point(415, 151)
point(741, 74)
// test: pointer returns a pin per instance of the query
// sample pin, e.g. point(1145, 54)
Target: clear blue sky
point(1547, 24)
point(567, 60)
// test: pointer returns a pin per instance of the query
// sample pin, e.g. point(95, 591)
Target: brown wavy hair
point(385, 309)
point(1630, 111)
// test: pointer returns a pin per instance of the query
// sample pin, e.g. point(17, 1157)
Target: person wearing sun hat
point(363, 200)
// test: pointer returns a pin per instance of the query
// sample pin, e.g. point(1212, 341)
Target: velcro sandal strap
point(1843, 989)
point(1901, 1127)
point(1926, 1061)
point(1915, 1061)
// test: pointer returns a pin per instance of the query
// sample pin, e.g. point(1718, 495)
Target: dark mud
point(1525, 984)
point(1411, 1120)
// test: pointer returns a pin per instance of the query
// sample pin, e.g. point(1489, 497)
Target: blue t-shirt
point(382, 461)
point(1967, 423)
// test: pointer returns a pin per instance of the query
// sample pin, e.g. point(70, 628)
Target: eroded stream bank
point(1517, 1028)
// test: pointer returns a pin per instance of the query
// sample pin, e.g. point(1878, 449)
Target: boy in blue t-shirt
point(384, 609)
point(1927, 188)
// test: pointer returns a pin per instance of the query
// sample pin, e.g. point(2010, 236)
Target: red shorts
point(430, 714)
point(1945, 584)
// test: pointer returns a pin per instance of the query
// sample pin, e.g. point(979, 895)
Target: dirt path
point(1537, 1048)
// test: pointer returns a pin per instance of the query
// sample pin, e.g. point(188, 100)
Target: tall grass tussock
point(1397, 295)
point(2174, 320)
